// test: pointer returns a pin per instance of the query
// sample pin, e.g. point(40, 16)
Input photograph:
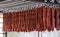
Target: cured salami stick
point(41, 19)
point(48, 19)
point(52, 19)
point(30, 20)
point(38, 28)
point(27, 17)
point(20, 21)
point(44, 17)
point(16, 22)
point(57, 19)
point(15, 25)
point(34, 20)
point(26, 21)
point(6, 18)
point(13, 21)
point(9, 22)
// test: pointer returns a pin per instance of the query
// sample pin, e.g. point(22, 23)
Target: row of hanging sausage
point(39, 19)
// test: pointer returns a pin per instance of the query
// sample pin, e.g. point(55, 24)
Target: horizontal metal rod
point(8, 5)
point(3, 2)
point(23, 7)
point(57, 5)
point(12, 4)
point(20, 4)
point(7, 2)
point(27, 5)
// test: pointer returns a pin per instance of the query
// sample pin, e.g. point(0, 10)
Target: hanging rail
point(26, 5)
point(12, 4)
point(29, 6)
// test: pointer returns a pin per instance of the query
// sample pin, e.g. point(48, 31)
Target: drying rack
point(11, 6)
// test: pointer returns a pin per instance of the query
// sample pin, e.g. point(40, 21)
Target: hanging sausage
point(44, 17)
point(48, 19)
point(52, 18)
point(32, 19)
point(26, 20)
point(22, 21)
point(18, 21)
point(9, 22)
point(7, 18)
point(40, 17)
point(13, 21)
point(57, 18)
point(15, 25)
point(38, 28)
